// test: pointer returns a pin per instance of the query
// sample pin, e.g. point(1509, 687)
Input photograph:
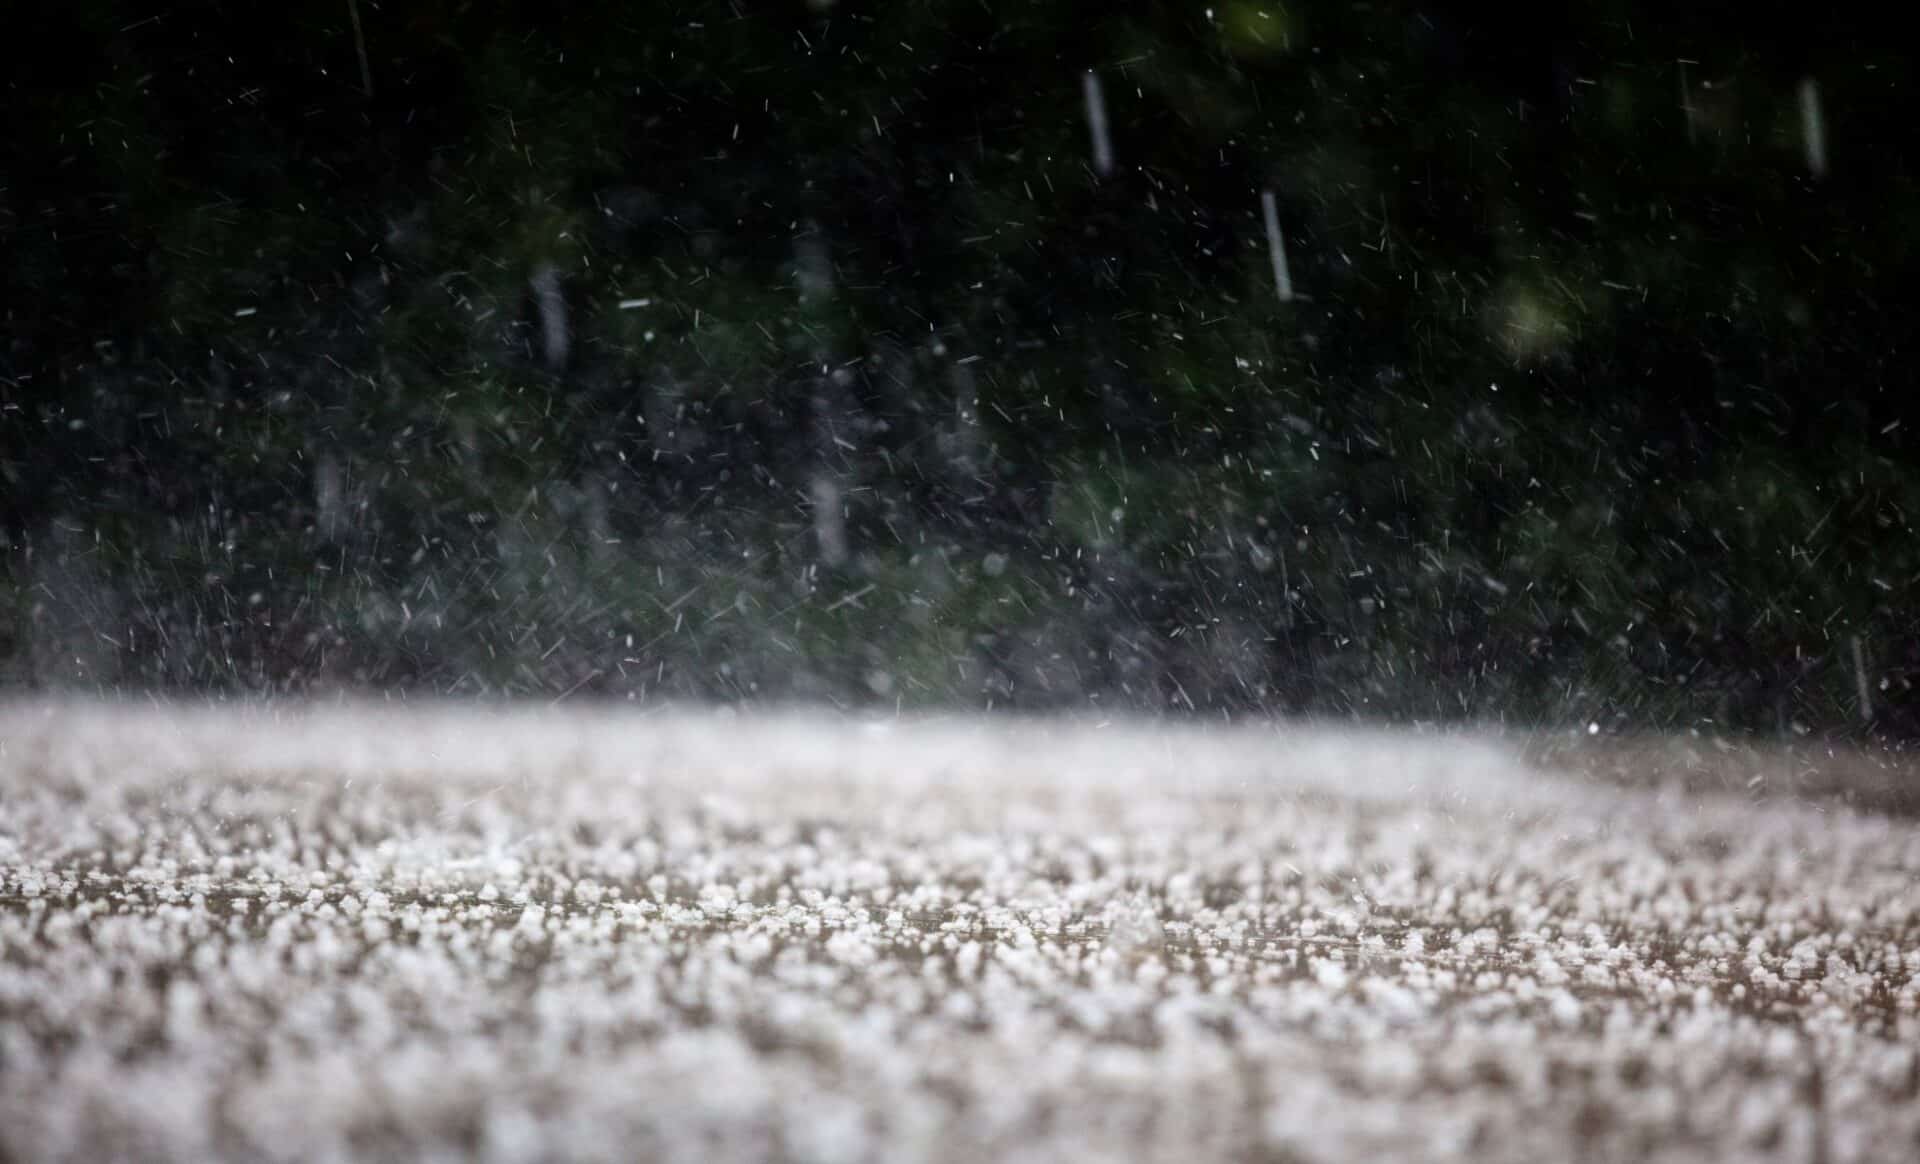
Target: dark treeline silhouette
point(872, 354)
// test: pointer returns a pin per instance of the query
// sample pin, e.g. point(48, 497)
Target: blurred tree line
point(820, 351)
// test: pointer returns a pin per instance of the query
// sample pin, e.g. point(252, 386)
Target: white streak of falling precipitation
point(1097, 123)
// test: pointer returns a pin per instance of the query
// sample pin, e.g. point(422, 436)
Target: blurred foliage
point(798, 351)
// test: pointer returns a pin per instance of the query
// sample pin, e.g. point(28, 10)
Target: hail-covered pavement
point(440, 932)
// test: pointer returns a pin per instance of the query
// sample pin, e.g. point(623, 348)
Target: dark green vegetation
point(772, 351)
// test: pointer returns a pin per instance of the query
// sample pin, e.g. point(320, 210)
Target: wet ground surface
point(459, 933)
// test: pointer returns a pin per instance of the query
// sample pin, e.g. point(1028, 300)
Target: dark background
point(773, 351)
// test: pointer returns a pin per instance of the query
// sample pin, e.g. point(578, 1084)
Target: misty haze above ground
point(310, 933)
